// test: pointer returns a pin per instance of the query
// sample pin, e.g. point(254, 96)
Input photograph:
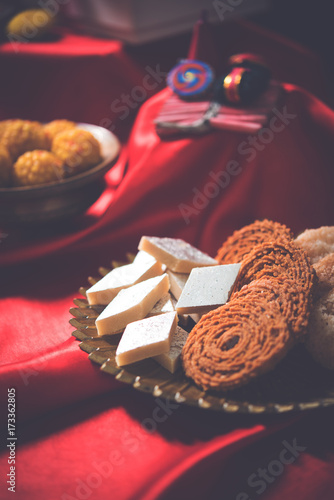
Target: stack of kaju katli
point(168, 281)
point(267, 314)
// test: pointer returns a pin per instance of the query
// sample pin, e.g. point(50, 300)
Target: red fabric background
point(70, 415)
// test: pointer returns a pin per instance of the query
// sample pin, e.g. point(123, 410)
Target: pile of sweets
point(152, 300)
point(267, 313)
point(33, 154)
point(249, 306)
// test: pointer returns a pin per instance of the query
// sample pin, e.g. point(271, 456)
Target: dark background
point(309, 23)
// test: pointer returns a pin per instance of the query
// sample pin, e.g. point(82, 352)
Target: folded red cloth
point(77, 77)
point(130, 446)
point(198, 189)
point(202, 189)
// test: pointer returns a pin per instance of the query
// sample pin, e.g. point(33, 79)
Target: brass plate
point(296, 384)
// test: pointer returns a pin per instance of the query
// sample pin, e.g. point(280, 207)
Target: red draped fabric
point(81, 433)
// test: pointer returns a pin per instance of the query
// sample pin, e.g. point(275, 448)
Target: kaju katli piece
point(131, 304)
point(164, 305)
point(171, 359)
point(177, 282)
point(178, 255)
point(146, 338)
point(105, 290)
point(207, 288)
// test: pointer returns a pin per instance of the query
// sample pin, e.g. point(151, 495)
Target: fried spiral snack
point(294, 303)
point(236, 343)
point(267, 314)
point(277, 258)
point(242, 241)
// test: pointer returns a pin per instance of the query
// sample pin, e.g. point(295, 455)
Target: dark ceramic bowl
point(61, 199)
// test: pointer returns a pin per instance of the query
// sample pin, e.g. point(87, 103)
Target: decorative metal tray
point(297, 383)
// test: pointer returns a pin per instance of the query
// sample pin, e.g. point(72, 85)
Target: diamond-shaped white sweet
point(207, 288)
point(177, 282)
point(178, 255)
point(164, 305)
point(171, 359)
point(131, 304)
point(105, 290)
point(146, 338)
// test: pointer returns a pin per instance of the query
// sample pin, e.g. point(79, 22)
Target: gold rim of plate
point(296, 384)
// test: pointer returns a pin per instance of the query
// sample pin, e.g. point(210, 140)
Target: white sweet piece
point(207, 288)
point(195, 317)
point(177, 282)
point(146, 338)
point(105, 290)
point(179, 256)
point(131, 304)
point(143, 257)
point(164, 305)
point(171, 360)
point(183, 318)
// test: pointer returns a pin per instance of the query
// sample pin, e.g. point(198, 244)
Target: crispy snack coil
point(241, 242)
point(294, 303)
point(236, 343)
point(279, 258)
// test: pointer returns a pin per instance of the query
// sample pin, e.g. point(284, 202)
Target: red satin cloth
point(82, 434)
point(77, 77)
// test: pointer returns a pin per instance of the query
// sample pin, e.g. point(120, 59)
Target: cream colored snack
point(177, 282)
point(179, 256)
point(183, 318)
point(320, 337)
point(143, 257)
point(131, 304)
point(207, 288)
point(146, 338)
point(195, 317)
point(171, 359)
point(106, 289)
point(324, 269)
point(164, 305)
point(317, 243)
